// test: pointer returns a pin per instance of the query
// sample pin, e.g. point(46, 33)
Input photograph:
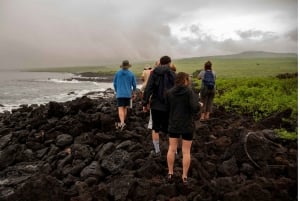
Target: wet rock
point(74, 148)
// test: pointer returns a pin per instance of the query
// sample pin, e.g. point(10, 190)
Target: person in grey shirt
point(206, 95)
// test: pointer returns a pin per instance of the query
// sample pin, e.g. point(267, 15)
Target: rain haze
point(53, 33)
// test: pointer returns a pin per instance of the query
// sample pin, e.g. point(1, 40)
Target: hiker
point(125, 85)
point(182, 104)
point(161, 79)
point(207, 90)
point(145, 76)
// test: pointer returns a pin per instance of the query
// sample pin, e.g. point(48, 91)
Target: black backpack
point(209, 80)
point(165, 82)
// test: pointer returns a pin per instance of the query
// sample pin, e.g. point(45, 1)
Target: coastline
point(96, 77)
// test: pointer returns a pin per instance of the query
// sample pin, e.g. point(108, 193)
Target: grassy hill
point(245, 64)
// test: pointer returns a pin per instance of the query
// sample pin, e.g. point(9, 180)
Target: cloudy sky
point(43, 33)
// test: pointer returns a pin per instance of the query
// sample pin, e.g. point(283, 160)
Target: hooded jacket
point(183, 105)
point(151, 93)
point(124, 83)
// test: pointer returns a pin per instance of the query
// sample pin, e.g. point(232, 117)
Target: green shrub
point(256, 96)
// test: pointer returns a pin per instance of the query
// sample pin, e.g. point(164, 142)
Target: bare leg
point(202, 116)
point(155, 139)
point(171, 154)
point(207, 115)
point(186, 157)
point(122, 114)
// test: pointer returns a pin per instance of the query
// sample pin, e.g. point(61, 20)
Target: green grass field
point(224, 67)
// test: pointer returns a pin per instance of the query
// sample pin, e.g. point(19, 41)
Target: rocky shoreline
point(96, 77)
point(71, 151)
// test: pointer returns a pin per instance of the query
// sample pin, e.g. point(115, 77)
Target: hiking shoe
point(122, 126)
point(170, 178)
point(153, 154)
point(117, 125)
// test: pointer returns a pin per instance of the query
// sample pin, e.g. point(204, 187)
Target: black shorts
point(160, 120)
point(123, 102)
point(184, 136)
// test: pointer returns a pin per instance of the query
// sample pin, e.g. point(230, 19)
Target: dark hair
point(207, 65)
point(165, 60)
point(181, 77)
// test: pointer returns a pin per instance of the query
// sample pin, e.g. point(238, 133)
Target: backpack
point(209, 80)
point(165, 82)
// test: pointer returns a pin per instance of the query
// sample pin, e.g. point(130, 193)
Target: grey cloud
point(63, 33)
point(249, 34)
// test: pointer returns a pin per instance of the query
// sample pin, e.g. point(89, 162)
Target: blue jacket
point(124, 83)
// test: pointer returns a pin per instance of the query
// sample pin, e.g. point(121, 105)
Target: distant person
point(145, 76)
point(125, 86)
point(162, 78)
point(182, 104)
point(207, 90)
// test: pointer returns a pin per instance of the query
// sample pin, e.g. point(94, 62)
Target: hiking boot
point(153, 154)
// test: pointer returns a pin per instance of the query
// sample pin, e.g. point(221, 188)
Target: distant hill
point(257, 54)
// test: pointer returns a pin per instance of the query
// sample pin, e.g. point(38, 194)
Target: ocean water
point(17, 88)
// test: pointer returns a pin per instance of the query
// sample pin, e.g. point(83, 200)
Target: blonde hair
point(173, 67)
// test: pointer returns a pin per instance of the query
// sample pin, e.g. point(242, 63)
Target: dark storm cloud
point(36, 33)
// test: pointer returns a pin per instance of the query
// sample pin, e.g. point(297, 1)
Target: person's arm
point(194, 103)
point(200, 75)
point(143, 76)
point(115, 82)
point(133, 86)
point(148, 90)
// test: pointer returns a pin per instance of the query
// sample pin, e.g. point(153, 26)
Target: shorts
point(122, 102)
point(184, 136)
point(160, 120)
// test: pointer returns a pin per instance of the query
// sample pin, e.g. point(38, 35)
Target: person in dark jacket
point(183, 105)
point(152, 94)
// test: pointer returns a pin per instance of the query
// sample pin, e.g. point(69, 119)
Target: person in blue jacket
point(125, 87)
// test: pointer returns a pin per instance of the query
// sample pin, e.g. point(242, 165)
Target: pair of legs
point(122, 104)
point(186, 155)
point(159, 123)
point(207, 101)
point(122, 110)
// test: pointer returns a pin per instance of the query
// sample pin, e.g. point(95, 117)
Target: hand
point(201, 104)
point(133, 96)
point(145, 109)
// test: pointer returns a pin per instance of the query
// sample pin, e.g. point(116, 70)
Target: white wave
point(73, 81)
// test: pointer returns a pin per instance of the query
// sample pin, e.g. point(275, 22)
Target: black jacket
point(151, 90)
point(183, 105)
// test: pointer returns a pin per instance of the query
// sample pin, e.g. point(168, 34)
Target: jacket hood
point(161, 69)
point(180, 90)
point(124, 71)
